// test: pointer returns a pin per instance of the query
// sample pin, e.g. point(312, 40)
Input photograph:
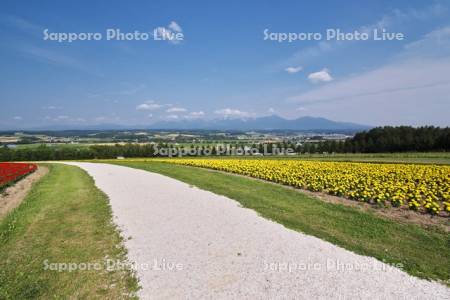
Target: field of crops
point(10, 172)
point(424, 188)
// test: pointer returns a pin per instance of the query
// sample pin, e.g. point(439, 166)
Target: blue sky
point(223, 67)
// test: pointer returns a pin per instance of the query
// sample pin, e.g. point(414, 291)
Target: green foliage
point(376, 140)
point(401, 139)
point(46, 153)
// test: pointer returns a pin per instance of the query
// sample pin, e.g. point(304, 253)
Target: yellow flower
point(425, 187)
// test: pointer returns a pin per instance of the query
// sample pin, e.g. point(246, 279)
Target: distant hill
point(263, 123)
point(273, 122)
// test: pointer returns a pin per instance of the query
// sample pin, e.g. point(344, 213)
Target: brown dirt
point(402, 214)
point(12, 196)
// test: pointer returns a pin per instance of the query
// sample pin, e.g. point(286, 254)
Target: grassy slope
point(65, 218)
point(423, 252)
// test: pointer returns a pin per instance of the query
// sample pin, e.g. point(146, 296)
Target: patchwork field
point(66, 218)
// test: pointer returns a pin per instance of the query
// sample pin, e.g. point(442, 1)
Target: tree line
point(402, 139)
point(376, 140)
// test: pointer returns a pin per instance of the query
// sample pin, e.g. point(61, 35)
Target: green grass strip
point(64, 219)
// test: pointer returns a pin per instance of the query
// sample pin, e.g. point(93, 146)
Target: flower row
point(418, 187)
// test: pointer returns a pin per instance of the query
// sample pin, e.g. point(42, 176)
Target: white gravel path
point(226, 251)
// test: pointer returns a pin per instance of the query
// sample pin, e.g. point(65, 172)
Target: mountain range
point(273, 122)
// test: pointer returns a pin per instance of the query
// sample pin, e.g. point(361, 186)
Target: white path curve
point(226, 251)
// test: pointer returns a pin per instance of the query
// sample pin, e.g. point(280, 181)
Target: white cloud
point(197, 113)
point(412, 89)
point(175, 27)
point(413, 92)
point(52, 107)
point(194, 115)
point(271, 110)
point(232, 113)
point(164, 33)
point(434, 43)
point(176, 109)
point(149, 105)
point(310, 53)
point(293, 70)
point(430, 12)
point(22, 24)
point(65, 119)
point(17, 118)
point(419, 66)
point(131, 89)
point(172, 117)
point(393, 19)
point(321, 76)
point(388, 79)
point(55, 58)
point(170, 32)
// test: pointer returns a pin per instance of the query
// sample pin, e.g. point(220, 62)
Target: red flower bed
point(10, 172)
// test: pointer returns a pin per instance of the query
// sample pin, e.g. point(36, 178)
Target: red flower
point(10, 172)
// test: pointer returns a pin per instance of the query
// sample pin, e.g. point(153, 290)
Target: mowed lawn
point(64, 219)
point(424, 252)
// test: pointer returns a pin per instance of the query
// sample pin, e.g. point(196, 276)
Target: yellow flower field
point(420, 187)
